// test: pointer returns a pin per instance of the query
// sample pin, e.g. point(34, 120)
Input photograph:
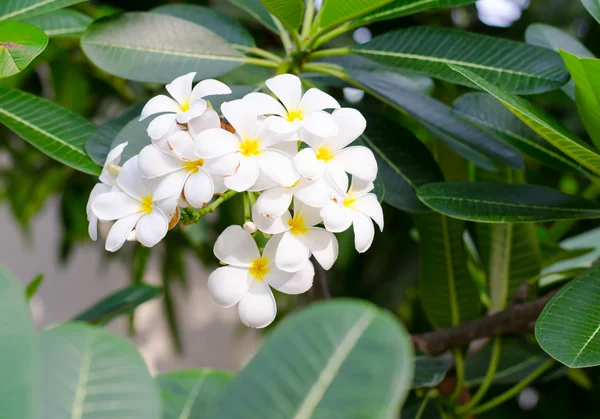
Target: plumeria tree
point(268, 161)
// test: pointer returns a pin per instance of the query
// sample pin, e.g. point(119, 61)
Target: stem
point(516, 389)
point(489, 377)
point(309, 13)
point(326, 37)
point(259, 52)
point(247, 216)
point(333, 52)
point(560, 228)
point(261, 62)
point(297, 41)
point(423, 405)
point(460, 372)
point(285, 36)
point(192, 217)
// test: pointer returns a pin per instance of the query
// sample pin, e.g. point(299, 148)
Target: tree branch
point(515, 319)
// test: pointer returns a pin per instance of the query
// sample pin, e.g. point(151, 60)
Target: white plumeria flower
point(300, 238)
point(330, 155)
point(186, 103)
point(133, 206)
point(251, 151)
point(356, 207)
point(274, 202)
point(298, 111)
point(247, 279)
point(108, 179)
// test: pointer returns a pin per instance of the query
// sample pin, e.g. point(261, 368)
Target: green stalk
point(309, 14)
point(459, 361)
point(328, 36)
point(247, 216)
point(423, 405)
point(516, 389)
point(194, 216)
point(333, 52)
point(297, 41)
point(259, 52)
point(261, 62)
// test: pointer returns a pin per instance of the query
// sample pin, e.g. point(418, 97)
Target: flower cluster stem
point(459, 361)
point(192, 217)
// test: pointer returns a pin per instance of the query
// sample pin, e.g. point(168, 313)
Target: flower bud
point(250, 227)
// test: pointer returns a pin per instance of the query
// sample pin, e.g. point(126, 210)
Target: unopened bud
point(250, 227)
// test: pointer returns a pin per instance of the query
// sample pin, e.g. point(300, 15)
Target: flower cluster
point(291, 156)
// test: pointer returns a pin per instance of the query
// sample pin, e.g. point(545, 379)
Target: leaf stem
point(309, 14)
point(193, 216)
point(259, 52)
point(334, 34)
point(516, 389)
point(459, 360)
point(285, 36)
point(247, 216)
point(423, 405)
point(333, 52)
point(261, 62)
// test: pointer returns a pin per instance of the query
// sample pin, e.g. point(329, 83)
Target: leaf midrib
point(167, 52)
point(483, 201)
point(388, 161)
point(186, 411)
point(375, 16)
point(84, 375)
point(26, 9)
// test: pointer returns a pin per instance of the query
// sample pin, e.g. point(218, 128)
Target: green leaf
point(19, 353)
point(505, 203)
point(429, 371)
point(119, 303)
point(541, 122)
point(436, 117)
point(486, 112)
point(568, 327)
point(157, 48)
point(547, 36)
point(593, 7)
point(88, 372)
point(448, 294)
point(584, 72)
point(101, 141)
point(192, 394)
point(258, 11)
point(20, 43)
point(308, 366)
point(65, 22)
point(512, 66)
point(553, 253)
point(335, 12)
point(585, 241)
point(33, 286)
point(289, 12)
point(225, 26)
point(52, 129)
point(20, 9)
point(399, 8)
point(404, 162)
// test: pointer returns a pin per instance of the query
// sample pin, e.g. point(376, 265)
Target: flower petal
point(245, 177)
point(359, 161)
point(209, 119)
point(228, 285)
point(308, 165)
point(336, 218)
point(242, 117)
point(289, 147)
point(225, 165)
point(219, 184)
point(154, 163)
point(264, 104)
point(209, 87)
point(351, 124)
point(183, 146)
point(314, 193)
point(257, 307)
point(114, 205)
point(262, 183)
point(291, 253)
point(370, 206)
point(181, 88)
point(132, 182)
point(159, 104)
point(97, 190)
point(170, 185)
point(198, 189)
point(113, 157)
point(287, 88)
point(282, 126)
point(320, 123)
point(216, 142)
point(195, 110)
point(273, 202)
point(161, 125)
point(310, 215)
point(236, 247)
point(120, 231)
point(291, 282)
point(360, 188)
point(315, 100)
point(152, 228)
point(268, 225)
point(323, 245)
point(363, 231)
point(278, 166)
point(168, 206)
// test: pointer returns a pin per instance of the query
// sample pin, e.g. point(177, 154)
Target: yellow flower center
point(185, 106)
point(297, 225)
point(192, 166)
point(294, 185)
point(147, 204)
point(348, 202)
point(324, 154)
point(259, 268)
point(249, 147)
point(293, 115)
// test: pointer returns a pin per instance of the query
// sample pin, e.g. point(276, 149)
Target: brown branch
point(515, 319)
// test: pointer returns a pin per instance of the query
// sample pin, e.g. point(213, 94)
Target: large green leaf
point(547, 36)
point(338, 359)
point(157, 48)
point(587, 240)
point(88, 373)
point(400, 8)
point(258, 11)
point(505, 203)
point(20, 43)
point(568, 327)
point(436, 117)
point(448, 293)
point(119, 303)
point(192, 394)
point(20, 386)
point(225, 26)
point(289, 12)
point(52, 129)
point(64, 22)
point(541, 122)
point(584, 72)
point(20, 9)
point(488, 113)
point(404, 162)
point(593, 7)
point(429, 371)
point(335, 12)
point(512, 66)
